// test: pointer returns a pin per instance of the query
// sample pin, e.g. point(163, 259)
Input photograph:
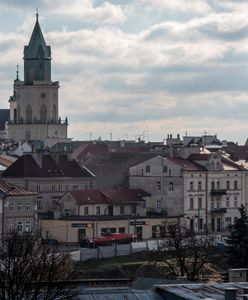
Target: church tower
point(34, 104)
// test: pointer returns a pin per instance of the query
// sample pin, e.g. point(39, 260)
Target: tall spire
point(37, 14)
point(37, 56)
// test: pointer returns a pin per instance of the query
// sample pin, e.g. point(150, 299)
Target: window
point(218, 185)
point(67, 187)
point(20, 207)
point(113, 230)
point(218, 204)
point(43, 112)
point(212, 203)
point(164, 169)
point(158, 204)
point(169, 172)
point(171, 186)
point(200, 223)
point(159, 185)
point(104, 231)
point(235, 203)
point(212, 185)
point(28, 206)
point(98, 210)
point(86, 210)
point(199, 185)
point(228, 222)
point(53, 188)
point(133, 209)
point(19, 226)
point(235, 184)
point(121, 229)
point(39, 204)
point(191, 186)
point(199, 203)
point(75, 187)
point(54, 204)
point(28, 114)
point(28, 226)
point(11, 225)
point(228, 185)
point(191, 203)
point(86, 187)
point(60, 188)
point(148, 169)
point(122, 209)
point(227, 202)
point(11, 207)
point(38, 188)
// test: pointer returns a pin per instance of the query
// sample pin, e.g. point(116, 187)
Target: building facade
point(50, 175)
point(207, 189)
point(89, 213)
point(18, 210)
point(34, 112)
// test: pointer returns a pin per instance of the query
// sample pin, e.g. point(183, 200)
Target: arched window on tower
point(43, 113)
point(28, 114)
point(15, 115)
point(18, 113)
point(54, 113)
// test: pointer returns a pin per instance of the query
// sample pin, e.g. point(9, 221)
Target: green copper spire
point(37, 57)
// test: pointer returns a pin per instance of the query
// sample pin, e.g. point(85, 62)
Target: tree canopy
point(31, 270)
point(185, 253)
point(238, 241)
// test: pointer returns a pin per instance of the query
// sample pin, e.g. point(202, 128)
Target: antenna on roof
point(37, 14)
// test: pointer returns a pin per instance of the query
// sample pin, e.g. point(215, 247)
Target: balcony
point(220, 210)
point(218, 192)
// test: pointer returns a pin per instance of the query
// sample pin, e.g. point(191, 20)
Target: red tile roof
point(125, 195)
point(9, 189)
point(83, 197)
point(187, 164)
point(199, 156)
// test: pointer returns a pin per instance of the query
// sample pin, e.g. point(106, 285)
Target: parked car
point(112, 238)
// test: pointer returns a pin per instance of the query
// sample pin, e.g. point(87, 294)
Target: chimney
point(230, 294)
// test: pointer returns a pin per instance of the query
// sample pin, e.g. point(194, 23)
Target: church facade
point(34, 113)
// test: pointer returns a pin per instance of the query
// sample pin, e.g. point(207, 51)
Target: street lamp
point(93, 220)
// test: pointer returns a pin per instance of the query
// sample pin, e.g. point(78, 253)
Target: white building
point(205, 188)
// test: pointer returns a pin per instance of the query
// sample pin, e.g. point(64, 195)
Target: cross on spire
point(37, 14)
point(17, 71)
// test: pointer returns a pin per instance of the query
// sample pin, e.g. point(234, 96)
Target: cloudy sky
point(129, 67)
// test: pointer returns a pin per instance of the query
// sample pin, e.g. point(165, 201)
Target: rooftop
point(46, 166)
point(108, 196)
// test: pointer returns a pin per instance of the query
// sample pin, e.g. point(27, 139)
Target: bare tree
point(186, 253)
point(32, 270)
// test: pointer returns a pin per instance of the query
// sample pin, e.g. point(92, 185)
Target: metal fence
point(114, 251)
